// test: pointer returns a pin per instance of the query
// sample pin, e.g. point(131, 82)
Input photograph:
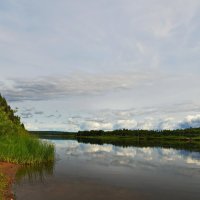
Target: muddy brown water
point(92, 171)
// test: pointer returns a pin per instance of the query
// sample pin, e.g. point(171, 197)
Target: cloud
point(175, 116)
point(45, 126)
point(135, 119)
point(127, 124)
point(26, 115)
point(45, 88)
point(191, 121)
point(95, 125)
point(39, 112)
point(50, 116)
point(73, 50)
point(40, 38)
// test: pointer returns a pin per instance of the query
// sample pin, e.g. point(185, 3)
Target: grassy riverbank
point(17, 145)
point(25, 149)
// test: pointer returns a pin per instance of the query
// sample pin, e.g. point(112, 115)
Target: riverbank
point(19, 147)
point(188, 139)
point(7, 177)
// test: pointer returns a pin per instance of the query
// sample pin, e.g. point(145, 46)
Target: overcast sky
point(110, 64)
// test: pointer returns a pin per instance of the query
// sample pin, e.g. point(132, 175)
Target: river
point(92, 171)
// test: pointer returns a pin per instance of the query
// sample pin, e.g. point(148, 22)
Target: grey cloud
point(29, 109)
point(59, 116)
point(26, 115)
point(39, 112)
point(169, 110)
point(147, 34)
point(76, 117)
point(50, 116)
point(46, 88)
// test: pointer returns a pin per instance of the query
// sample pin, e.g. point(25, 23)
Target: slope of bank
point(18, 146)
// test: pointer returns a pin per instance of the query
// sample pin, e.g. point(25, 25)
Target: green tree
point(4, 107)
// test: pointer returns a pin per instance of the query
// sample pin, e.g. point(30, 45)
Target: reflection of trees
point(178, 139)
point(35, 172)
point(128, 142)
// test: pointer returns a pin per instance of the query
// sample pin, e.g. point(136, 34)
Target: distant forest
point(126, 132)
point(191, 132)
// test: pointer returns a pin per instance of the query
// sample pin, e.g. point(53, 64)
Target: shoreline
point(8, 170)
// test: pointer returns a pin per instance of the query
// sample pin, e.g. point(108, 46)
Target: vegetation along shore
point(17, 146)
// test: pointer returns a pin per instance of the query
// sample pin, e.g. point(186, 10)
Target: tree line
point(126, 132)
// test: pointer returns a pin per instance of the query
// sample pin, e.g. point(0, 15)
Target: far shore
point(182, 139)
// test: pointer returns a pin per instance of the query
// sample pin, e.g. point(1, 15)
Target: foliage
point(7, 126)
point(142, 133)
point(25, 149)
point(16, 144)
point(4, 107)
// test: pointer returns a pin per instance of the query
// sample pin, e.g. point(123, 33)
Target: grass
point(17, 145)
point(25, 149)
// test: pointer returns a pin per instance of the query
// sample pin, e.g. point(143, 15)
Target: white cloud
point(125, 123)
point(190, 121)
point(144, 118)
point(93, 125)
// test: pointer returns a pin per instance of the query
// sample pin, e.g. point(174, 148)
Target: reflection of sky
point(129, 156)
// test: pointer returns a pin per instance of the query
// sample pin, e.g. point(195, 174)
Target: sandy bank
point(9, 170)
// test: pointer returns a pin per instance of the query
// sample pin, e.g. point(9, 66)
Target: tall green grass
point(16, 144)
point(25, 149)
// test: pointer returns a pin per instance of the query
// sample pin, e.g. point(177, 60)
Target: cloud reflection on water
point(127, 156)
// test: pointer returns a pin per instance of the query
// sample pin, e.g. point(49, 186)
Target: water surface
point(92, 171)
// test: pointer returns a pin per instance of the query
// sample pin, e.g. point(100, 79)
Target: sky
point(71, 65)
